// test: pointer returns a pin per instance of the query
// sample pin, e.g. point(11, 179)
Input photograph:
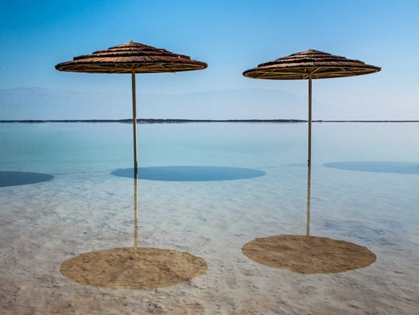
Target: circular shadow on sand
point(190, 173)
point(22, 178)
point(377, 166)
point(133, 268)
point(308, 254)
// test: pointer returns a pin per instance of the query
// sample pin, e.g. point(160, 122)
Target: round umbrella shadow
point(190, 173)
point(377, 166)
point(133, 268)
point(22, 178)
point(308, 254)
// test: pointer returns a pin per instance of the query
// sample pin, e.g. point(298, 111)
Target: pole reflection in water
point(308, 254)
point(136, 211)
point(136, 268)
point(308, 203)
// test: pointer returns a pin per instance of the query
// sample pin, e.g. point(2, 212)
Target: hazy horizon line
point(171, 120)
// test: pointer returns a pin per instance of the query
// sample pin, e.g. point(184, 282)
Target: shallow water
point(257, 188)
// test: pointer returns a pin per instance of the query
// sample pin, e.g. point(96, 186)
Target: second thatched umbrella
point(131, 58)
point(308, 65)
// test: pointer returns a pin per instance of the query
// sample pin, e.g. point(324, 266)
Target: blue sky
point(231, 36)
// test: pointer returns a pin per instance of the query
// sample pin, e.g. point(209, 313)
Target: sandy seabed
point(308, 254)
point(46, 226)
point(133, 268)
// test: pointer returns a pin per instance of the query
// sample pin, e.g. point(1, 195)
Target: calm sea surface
point(209, 188)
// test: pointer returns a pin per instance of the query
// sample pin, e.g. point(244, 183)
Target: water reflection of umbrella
point(135, 268)
point(308, 254)
point(131, 58)
point(308, 65)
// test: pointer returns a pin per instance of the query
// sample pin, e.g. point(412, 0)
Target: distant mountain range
point(49, 104)
point(234, 105)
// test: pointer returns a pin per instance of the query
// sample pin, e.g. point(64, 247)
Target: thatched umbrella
point(308, 65)
point(131, 58)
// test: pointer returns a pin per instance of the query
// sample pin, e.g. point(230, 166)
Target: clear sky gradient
point(231, 37)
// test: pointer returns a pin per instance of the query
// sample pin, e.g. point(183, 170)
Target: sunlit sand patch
point(308, 254)
point(133, 268)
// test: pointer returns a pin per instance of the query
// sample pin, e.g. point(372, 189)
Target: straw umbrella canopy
point(131, 58)
point(308, 65)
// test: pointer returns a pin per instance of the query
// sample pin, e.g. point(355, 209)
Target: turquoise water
point(96, 147)
point(242, 181)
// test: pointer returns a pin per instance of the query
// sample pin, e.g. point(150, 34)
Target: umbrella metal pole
point(133, 86)
point(309, 119)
